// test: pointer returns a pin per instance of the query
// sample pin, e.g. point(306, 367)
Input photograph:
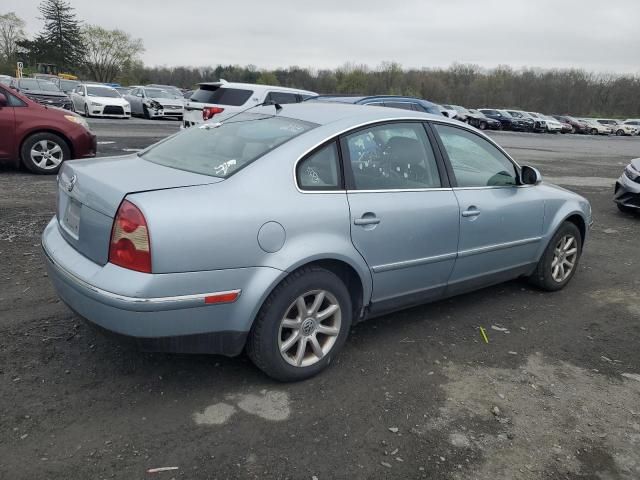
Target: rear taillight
point(130, 246)
point(208, 112)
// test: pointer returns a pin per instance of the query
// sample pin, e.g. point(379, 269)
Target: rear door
point(404, 215)
point(500, 220)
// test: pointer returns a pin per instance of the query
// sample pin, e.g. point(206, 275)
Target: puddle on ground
point(268, 404)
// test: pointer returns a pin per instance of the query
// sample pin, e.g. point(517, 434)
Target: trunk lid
point(90, 192)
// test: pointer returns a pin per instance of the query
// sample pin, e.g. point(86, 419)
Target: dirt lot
point(555, 394)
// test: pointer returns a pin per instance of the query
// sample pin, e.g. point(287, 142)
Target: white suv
point(212, 98)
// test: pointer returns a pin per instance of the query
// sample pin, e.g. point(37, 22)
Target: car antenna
point(277, 106)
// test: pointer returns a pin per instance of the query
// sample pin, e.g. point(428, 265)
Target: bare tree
point(109, 52)
point(11, 32)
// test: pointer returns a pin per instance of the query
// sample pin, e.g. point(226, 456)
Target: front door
point(404, 216)
point(500, 220)
point(7, 127)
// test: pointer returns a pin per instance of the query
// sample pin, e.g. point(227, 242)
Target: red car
point(41, 137)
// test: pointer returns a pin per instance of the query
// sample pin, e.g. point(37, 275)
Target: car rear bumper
point(627, 193)
point(165, 312)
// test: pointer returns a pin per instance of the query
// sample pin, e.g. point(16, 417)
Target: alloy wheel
point(46, 154)
point(564, 260)
point(309, 328)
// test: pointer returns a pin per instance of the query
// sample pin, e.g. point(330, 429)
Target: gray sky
point(597, 35)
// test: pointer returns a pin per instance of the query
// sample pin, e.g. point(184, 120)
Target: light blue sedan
point(277, 229)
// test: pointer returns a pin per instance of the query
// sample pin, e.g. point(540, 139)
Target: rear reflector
point(222, 297)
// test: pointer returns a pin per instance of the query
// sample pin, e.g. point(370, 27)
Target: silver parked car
point(279, 228)
point(151, 102)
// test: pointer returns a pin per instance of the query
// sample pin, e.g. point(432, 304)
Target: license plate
point(72, 217)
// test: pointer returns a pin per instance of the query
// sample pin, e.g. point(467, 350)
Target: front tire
point(145, 112)
point(86, 111)
point(483, 126)
point(44, 153)
point(301, 326)
point(594, 131)
point(620, 133)
point(559, 262)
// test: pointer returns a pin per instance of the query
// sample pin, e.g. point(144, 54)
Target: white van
point(213, 98)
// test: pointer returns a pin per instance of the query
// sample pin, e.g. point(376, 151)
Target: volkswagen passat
point(279, 228)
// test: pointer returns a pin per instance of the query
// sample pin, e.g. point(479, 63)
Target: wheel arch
point(358, 283)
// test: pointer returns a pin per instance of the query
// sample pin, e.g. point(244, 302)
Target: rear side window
point(281, 97)
point(475, 161)
point(221, 149)
point(320, 170)
point(392, 156)
point(233, 97)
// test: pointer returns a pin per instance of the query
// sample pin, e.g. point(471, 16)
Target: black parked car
point(481, 121)
point(43, 92)
point(505, 120)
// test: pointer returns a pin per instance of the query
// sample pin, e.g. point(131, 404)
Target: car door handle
point(471, 212)
point(366, 221)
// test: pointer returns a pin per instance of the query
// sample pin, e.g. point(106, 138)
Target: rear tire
point(44, 153)
point(565, 248)
point(280, 320)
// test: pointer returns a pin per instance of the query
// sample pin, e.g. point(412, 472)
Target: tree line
point(98, 54)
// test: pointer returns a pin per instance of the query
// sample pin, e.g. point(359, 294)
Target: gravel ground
point(555, 394)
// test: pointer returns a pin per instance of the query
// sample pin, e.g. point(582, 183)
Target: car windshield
point(505, 113)
point(158, 93)
point(68, 84)
point(516, 114)
point(478, 113)
point(48, 86)
point(102, 92)
point(460, 109)
point(219, 149)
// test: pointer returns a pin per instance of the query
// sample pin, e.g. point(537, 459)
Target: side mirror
point(530, 176)
point(3, 100)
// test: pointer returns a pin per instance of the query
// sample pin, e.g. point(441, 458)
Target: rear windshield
point(220, 149)
point(234, 97)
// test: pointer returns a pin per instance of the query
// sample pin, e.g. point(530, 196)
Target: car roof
point(256, 86)
point(323, 113)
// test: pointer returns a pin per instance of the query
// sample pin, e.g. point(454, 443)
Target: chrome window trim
point(335, 136)
point(399, 190)
point(138, 304)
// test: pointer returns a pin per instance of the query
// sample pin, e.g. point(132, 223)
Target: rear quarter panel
point(214, 227)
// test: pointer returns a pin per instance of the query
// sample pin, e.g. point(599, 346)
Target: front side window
point(392, 156)
point(475, 161)
point(221, 149)
point(320, 170)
